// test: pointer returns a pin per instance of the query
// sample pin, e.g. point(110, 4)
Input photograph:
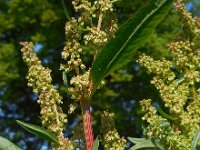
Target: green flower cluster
point(49, 99)
point(160, 124)
point(111, 139)
point(92, 28)
point(187, 58)
point(85, 28)
point(72, 53)
point(189, 23)
point(178, 84)
point(81, 86)
point(103, 5)
point(78, 136)
point(106, 26)
point(163, 130)
point(72, 50)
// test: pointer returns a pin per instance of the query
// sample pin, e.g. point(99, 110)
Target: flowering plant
point(95, 29)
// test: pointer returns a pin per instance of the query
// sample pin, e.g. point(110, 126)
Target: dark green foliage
point(8, 62)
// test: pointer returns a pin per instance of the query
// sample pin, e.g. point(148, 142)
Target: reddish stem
point(87, 124)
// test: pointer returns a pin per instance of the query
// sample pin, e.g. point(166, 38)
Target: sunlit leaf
point(5, 144)
point(130, 36)
point(142, 143)
point(64, 77)
point(39, 131)
point(195, 140)
point(95, 146)
point(136, 140)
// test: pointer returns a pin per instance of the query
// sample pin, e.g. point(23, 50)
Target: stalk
point(87, 124)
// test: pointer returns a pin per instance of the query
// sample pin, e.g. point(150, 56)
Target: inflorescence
point(178, 89)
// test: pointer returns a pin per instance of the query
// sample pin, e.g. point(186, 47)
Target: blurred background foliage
point(42, 22)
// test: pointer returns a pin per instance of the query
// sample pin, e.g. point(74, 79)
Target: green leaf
point(5, 144)
point(39, 131)
point(130, 36)
point(64, 77)
point(136, 140)
point(95, 146)
point(65, 10)
point(178, 81)
point(195, 140)
point(145, 144)
point(113, 1)
point(165, 115)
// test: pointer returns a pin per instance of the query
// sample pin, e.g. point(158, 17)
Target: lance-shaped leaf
point(195, 140)
point(95, 146)
point(142, 143)
point(165, 115)
point(130, 36)
point(5, 144)
point(65, 10)
point(39, 131)
point(136, 140)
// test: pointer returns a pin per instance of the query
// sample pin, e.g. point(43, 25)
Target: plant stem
point(87, 124)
